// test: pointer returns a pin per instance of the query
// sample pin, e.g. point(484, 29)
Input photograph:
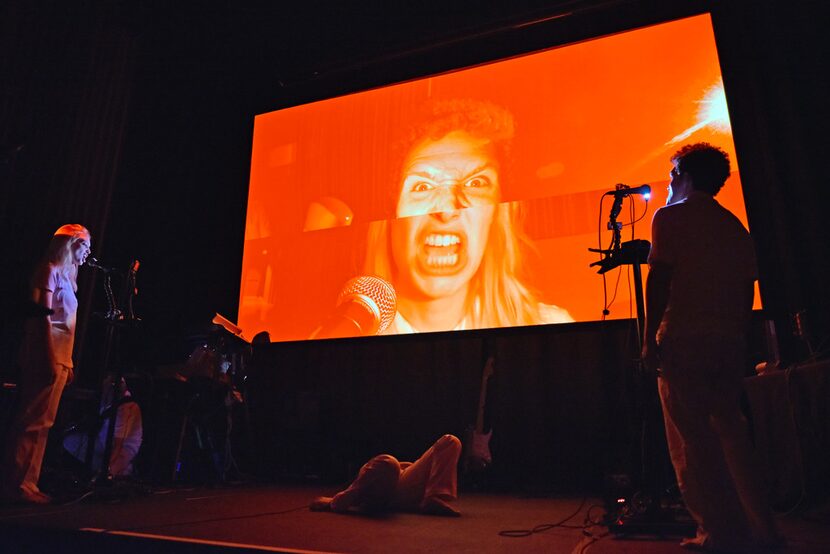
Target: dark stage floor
point(276, 518)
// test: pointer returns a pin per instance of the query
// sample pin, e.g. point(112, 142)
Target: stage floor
point(276, 518)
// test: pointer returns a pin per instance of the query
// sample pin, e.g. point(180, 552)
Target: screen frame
point(459, 54)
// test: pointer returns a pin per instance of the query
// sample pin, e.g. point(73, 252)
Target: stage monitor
point(469, 199)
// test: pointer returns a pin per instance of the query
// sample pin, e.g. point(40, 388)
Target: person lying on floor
point(426, 485)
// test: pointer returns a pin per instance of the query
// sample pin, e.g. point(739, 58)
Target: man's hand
point(70, 375)
point(651, 360)
point(658, 286)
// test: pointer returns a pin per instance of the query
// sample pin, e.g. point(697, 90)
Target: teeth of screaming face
point(442, 261)
point(442, 240)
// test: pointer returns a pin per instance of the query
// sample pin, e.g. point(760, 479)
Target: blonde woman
point(454, 251)
point(46, 361)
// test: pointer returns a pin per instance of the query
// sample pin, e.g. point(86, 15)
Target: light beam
point(712, 112)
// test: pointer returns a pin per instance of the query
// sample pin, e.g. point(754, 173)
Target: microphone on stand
point(624, 190)
point(93, 262)
point(365, 306)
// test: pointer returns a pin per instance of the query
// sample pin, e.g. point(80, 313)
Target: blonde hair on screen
point(498, 295)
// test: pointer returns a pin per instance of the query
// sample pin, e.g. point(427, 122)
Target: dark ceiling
point(326, 47)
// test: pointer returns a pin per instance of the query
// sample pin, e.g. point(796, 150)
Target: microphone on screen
point(365, 306)
point(625, 190)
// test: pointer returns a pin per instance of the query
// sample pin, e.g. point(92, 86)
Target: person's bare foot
point(25, 496)
point(31, 497)
point(435, 506)
point(40, 498)
point(320, 504)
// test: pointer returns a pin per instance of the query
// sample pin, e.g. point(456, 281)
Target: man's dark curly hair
point(708, 165)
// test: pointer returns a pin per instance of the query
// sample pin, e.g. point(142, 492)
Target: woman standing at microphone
point(45, 360)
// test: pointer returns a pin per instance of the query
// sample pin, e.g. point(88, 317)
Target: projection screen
point(476, 194)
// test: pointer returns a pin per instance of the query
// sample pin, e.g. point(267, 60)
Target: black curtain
point(66, 79)
point(773, 63)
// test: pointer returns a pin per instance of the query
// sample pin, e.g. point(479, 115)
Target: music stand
point(209, 371)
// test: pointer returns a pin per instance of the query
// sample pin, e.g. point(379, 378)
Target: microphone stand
point(633, 253)
point(643, 512)
point(114, 318)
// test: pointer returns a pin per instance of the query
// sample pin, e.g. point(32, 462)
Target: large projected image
point(469, 200)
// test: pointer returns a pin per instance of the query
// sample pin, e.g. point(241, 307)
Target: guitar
point(476, 443)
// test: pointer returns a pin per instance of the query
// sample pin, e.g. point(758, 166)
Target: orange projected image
point(469, 200)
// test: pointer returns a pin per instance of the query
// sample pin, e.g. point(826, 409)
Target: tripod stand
point(646, 511)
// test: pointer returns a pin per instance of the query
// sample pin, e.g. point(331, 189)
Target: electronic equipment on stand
point(645, 512)
point(633, 252)
point(117, 320)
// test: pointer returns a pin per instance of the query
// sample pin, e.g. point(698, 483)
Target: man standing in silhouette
point(699, 295)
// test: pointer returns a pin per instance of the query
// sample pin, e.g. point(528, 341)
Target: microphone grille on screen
point(376, 294)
